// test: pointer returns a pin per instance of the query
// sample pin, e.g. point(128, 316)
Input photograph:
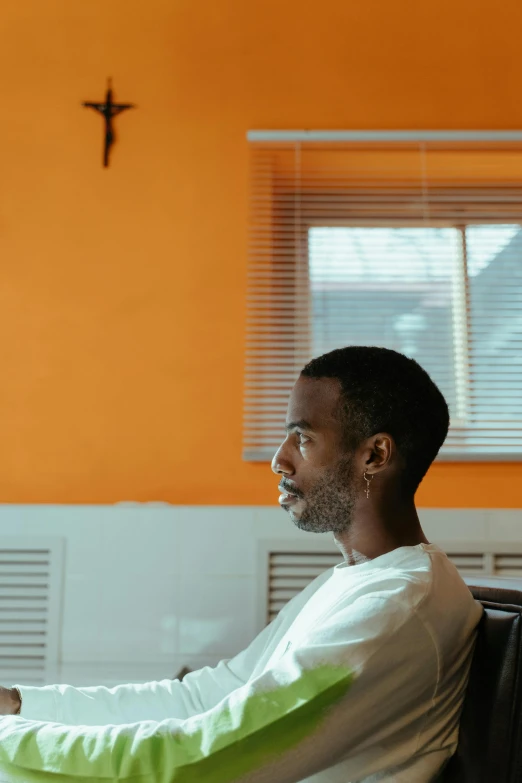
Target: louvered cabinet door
point(30, 600)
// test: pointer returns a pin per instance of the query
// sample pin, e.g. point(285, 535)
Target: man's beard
point(330, 503)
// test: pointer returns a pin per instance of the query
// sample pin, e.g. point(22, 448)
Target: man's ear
point(379, 452)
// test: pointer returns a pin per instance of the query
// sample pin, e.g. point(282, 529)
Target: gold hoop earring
point(368, 482)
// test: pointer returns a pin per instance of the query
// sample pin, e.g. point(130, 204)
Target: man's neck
point(352, 556)
point(377, 529)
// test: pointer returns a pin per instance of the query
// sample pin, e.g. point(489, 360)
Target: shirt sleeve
point(347, 685)
point(157, 701)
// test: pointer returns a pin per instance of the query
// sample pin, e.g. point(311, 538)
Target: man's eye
point(302, 439)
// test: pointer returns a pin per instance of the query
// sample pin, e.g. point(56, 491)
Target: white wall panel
point(151, 588)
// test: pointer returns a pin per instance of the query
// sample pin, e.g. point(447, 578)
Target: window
point(414, 247)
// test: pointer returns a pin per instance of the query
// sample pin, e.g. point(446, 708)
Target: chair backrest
point(490, 735)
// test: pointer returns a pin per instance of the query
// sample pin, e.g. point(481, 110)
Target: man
point(360, 678)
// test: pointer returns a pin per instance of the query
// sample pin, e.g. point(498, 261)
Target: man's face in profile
point(318, 482)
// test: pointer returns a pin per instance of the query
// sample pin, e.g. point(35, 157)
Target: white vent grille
point(508, 565)
point(30, 599)
point(291, 572)
point(470, 563)
point(290, 569)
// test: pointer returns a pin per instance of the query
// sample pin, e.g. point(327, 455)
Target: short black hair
point(385, 391)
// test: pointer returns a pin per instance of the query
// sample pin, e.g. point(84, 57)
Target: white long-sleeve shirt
point(360, 678)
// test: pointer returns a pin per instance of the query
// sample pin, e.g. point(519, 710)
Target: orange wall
point(122, 290)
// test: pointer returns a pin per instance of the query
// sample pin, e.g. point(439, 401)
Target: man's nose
point(281, 462)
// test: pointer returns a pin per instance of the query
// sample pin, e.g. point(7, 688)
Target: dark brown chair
point(490, 735)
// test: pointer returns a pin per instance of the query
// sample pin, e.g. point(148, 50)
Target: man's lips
point(287, 498)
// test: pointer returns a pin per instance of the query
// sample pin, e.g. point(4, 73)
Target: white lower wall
point(150, 588)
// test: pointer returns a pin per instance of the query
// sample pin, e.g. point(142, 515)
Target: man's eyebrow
point(301, 425)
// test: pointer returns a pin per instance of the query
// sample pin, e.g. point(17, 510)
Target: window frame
point(295, 204)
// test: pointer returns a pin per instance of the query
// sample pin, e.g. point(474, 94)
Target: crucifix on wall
point(108, 110)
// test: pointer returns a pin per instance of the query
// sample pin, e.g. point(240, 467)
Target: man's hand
point(9, 701)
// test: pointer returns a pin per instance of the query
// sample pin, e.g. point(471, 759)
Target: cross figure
point(108, 110)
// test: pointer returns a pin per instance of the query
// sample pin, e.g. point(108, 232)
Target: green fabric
point(224, 744)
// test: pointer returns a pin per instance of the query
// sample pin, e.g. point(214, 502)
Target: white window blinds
point(415, 246)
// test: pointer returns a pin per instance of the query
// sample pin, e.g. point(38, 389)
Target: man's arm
point(343, 689)
point(157, 701)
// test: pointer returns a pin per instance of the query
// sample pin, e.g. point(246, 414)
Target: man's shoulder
point(409, 579)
